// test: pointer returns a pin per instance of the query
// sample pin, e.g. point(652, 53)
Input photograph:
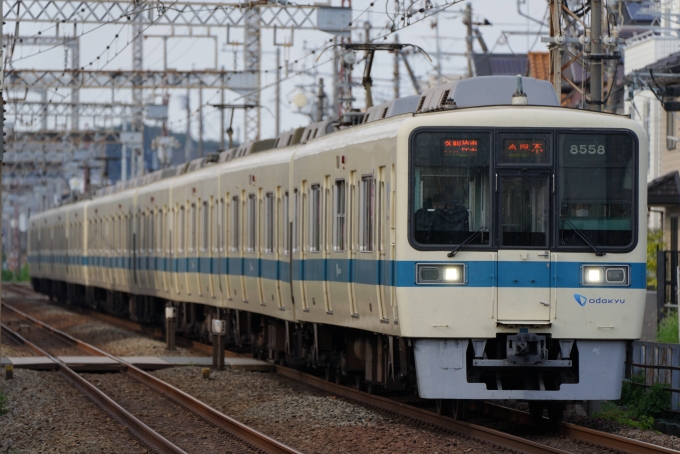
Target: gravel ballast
point(48, 415)
point(312, 421)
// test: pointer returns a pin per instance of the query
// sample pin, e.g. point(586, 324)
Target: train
point(474, 242)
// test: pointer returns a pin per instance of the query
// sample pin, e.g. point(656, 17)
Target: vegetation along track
point(189, 431)
point(429, 418)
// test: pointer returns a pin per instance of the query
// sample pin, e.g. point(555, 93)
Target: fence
point(660, 363)
point(666, 280)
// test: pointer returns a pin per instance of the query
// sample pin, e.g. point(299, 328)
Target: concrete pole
point(555, 49)
point(222, 114)
point(395, 72)
point(187, 135)
point(200, 122)
point(469, 37)
point(596, 50)
point(320, 101)
point(278, 89)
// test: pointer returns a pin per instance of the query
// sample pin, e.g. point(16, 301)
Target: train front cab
point(524, 276)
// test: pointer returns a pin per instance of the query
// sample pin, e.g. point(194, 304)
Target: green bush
point(639, 405)
point(654, 243)
point(11, 276)
point(668, 328)
point(7, 276)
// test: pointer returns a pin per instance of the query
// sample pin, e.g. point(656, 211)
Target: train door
point(235, 258)
point(269, 278)
point(216, 247)
point(524, 288)
point(205, 267)
point(314, 277)
point(383, 244)
point(251, 272)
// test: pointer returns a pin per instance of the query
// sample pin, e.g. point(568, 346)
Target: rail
point(256, 439)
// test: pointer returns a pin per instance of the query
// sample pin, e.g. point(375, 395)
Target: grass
point(668, 328)
point(638, 405)
point(11, 276)
point(654, 243)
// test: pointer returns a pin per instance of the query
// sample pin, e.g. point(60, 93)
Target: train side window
point(366, 213)
point(181, 227)
point(296, 221)
point(152, 236)
point(269, 223)
point(221, 224)
point(339, 216)
point(192, 230)
point(161, 233)
point(315, 218)
point(235, 224)
point(286, 224)
point(252, 224)
point(205, 237)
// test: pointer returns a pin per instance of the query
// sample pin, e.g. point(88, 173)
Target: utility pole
point(336, 77)
point(320, 101)
point(395, 72)
point(222, 118)
point(187, 134)
point(596, 55)
point(439, 50)
point(200, 122)
point(556, 47)
point(367, 82)
point(469, 38)
point(278, 91)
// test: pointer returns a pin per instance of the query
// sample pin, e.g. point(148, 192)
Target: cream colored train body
point(338, 251)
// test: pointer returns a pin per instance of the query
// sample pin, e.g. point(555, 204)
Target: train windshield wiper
point(581, 235)
point(467, 240)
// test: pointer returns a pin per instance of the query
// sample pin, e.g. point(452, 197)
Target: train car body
point(471, 248)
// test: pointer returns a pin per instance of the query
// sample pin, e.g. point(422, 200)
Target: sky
point(302, 70)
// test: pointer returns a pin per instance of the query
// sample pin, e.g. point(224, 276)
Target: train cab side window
point(339, 217)
point(366, 213)
point(205, 236)
point(269, 223)
point(315, 218)
point(252, 223)
point(235, 224)
point(286, 224)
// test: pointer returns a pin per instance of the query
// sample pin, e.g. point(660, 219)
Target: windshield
point(597, 180)
point(523, 189)
point(451, 191)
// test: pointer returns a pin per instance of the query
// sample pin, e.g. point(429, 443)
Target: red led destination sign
point(460, 147)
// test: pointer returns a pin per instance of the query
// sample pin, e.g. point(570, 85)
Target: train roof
point(465, 93)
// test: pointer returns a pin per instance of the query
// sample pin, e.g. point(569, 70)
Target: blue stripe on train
point(361, 271)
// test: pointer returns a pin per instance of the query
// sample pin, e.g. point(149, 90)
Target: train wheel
point(443, 406)
point(357, 382)
point(370, 389)
point(459, 409)
point(556, 411)
point(536, 409)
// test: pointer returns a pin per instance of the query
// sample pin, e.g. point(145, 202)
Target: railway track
point(234, 436)
point(429, 418)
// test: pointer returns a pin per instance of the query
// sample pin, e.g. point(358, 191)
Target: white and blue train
point(471, 242)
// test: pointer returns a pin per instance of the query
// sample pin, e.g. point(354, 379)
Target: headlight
point(593, 275)
point(606, 275)
point(444, 273)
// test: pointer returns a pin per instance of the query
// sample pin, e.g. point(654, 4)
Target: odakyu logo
point(583, 300)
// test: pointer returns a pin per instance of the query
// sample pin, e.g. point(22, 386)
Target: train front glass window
point(451, 192)
point(596, 196)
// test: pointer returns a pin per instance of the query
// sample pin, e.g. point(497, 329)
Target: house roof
point(539, 65)
point(500, 64)
point(665, 190)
